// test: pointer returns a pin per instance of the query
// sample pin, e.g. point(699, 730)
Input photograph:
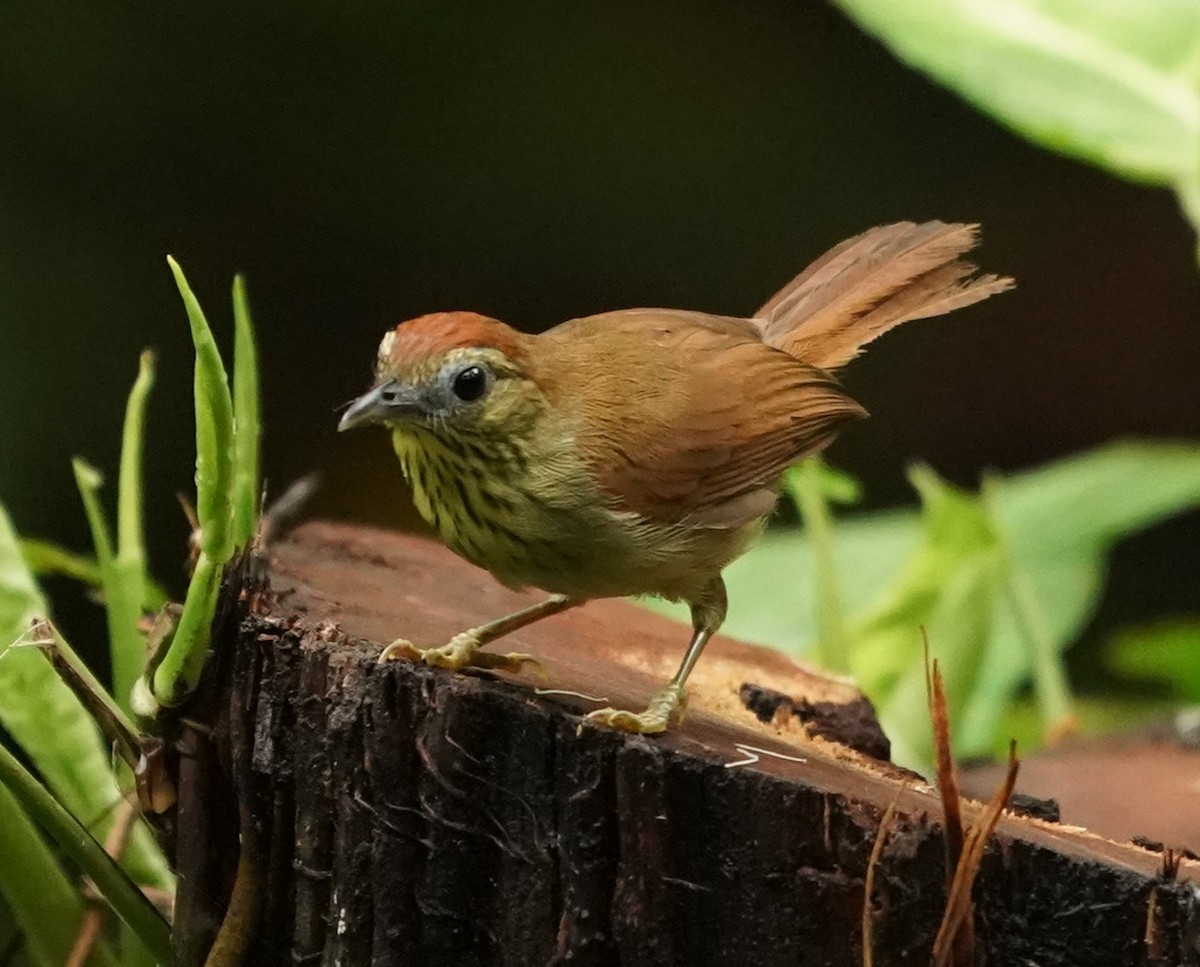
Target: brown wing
point(685, 415)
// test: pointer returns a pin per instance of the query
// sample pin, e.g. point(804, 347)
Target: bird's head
point(451, 373)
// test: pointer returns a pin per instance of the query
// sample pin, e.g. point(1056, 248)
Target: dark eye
point(470, 384)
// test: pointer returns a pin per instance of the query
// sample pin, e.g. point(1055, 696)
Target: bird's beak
point(389, 402)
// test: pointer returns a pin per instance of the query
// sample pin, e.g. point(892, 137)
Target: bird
point(639, 452)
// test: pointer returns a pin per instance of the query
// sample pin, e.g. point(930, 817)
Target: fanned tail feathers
point(871, 283)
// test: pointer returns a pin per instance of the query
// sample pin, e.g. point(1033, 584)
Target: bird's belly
point(577, 547)
point(597, 554)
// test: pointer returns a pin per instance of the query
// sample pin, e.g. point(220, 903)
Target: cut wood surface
point(1143, 786)
point(399, 814)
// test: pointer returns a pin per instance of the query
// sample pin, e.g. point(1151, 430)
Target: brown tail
point(872, 283)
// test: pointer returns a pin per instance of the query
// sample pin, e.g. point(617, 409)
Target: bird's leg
point(464, 648)
point(708, 612)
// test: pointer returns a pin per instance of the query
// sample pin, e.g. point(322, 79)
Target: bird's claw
point(671, 700)
point(400, 648)
point(461, 651)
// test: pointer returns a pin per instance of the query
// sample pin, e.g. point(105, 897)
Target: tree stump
point(401, 815)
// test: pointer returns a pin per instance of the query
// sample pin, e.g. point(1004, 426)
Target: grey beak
point(387, 402)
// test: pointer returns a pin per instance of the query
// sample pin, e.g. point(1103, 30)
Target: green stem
point(809, 493)
point(129, 506)
point(1049, 676)
point(126, 900)
point(122, 609)
point(1049, 673)
point(178, 674)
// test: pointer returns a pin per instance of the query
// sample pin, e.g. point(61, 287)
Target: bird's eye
point(470, 384)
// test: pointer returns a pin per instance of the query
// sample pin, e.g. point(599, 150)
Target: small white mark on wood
point(752, 754)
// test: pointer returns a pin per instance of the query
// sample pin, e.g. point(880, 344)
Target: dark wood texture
point(408, 816)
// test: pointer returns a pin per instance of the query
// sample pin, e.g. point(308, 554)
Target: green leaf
point(958, 627)
point(955, 528)
point(126, 900)
point(247, 429)
point(948, 586)
point(1059, 523)
point(1031, 558)
point(43, 901)
point(1117, 84)
point(122, 597)
point(835, 486)
point(772, 597)
point(45, 558)
point(219, 494)
point(46, 721)
point(70, 755)
point(89, 480)
point(214, 431)
point(127, 591)
point(1167, 652)
point(1086, 502)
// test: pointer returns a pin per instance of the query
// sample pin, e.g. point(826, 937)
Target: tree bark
point(400, 815)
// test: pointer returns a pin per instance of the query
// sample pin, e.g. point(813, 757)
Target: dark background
point(366, 162)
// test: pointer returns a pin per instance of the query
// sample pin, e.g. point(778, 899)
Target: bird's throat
point(465, 490)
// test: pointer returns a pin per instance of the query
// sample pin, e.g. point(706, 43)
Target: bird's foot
point(464, 650)
point(670, 700)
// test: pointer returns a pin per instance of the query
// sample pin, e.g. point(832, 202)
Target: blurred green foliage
point(1002, 581)
point(1166, 654)
point(44, 717)
point(1116, 84)
point(227, 484)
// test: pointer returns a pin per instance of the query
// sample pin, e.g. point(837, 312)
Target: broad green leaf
point(772, 599)
point(1168, 652)
point(34, 886)
point(958, 626)
point(214, 431)
point(1037, 545)
point(955, 530)
point(1114, 82)
point(1059, 522)
point(40, 896)
point(1086, 502)
point(44, 718)
point(121, 893)
point(70, 755)
point(1066, 593)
